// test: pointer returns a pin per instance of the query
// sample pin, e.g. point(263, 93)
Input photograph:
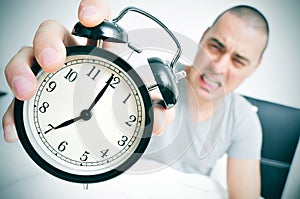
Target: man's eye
point(215, 48)
point(238, 63)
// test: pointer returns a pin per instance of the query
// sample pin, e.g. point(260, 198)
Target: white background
point(275, 80)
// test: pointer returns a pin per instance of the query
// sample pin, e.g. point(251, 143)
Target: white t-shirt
point(194, 147)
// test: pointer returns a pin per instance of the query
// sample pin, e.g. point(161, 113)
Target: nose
point(220, 64)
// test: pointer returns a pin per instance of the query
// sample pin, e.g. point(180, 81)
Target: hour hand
point(65, 123)
point(84, 115)
point(68, 122)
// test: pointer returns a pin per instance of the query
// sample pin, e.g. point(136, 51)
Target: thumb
point(162, 119)
point(93, 12)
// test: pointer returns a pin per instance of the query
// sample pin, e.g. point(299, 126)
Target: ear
point(203, 35)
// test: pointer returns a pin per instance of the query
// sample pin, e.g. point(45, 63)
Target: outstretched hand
point(49, 51)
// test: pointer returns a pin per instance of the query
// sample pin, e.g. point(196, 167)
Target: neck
point(201, 109)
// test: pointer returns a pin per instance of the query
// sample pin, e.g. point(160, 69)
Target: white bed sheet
point(165, 183)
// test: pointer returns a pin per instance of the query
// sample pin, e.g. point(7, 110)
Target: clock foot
point(85, 186)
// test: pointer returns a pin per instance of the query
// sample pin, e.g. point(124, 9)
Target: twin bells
point(164, 74)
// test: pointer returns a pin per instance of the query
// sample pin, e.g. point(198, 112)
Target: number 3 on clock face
point(89, 121)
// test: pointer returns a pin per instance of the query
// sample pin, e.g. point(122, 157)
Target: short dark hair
point(250, 14)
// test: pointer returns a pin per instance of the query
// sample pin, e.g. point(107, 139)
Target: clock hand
point(86, 114)
point(100, 93)
point(68, 122)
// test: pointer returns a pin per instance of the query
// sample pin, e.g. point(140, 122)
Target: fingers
point(93, 12)
point(10, 133)
point(49, 51)
point(162, 118)
point(49, 45)
point(19, 75)
point(23, 84)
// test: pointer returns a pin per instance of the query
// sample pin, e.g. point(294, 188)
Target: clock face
point(90, 120)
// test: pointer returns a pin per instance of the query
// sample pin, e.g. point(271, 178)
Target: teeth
point(211, 81)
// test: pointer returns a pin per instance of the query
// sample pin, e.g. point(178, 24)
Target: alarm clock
point(92, 119)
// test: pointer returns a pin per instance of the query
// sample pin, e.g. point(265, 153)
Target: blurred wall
point(275, 80)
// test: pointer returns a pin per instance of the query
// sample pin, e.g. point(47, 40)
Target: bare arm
point(243, 178)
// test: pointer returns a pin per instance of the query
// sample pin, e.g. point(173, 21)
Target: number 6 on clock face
point(89, 121)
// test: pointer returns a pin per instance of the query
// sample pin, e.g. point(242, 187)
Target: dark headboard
point(281, 131)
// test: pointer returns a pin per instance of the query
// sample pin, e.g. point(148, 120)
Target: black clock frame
point(145, 138)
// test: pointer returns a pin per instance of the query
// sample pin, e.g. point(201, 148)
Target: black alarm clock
point(92, 119)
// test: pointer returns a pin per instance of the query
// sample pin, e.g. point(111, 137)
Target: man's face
point(229, 52)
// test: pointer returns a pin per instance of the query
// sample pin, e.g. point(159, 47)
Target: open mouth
point(209, 82)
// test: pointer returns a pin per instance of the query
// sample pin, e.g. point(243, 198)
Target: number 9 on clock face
point(89, 121)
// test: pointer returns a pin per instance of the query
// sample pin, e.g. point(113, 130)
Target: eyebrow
point(242, 57)
point(223, 46)
point(218, 42)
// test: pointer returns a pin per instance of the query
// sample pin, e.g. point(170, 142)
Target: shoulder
point(242, 115)
point(239, 109)
point(239, 104)
point(246, 132)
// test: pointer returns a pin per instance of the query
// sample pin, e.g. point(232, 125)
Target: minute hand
point(101, 93)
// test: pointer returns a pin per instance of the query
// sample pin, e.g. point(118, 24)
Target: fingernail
point(48, 56)
point(20, 85)
point(10, 135)
point(89, 12)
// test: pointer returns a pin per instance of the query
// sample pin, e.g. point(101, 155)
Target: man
point(212, 120)
point(231, 50)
